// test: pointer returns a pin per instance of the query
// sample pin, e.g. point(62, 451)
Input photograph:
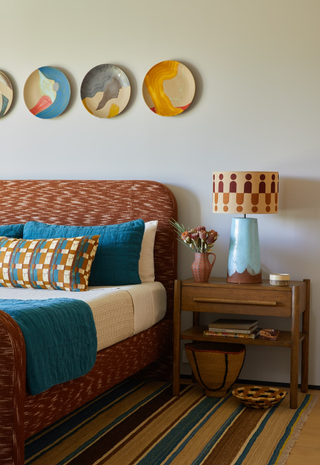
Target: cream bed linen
point(118, 312)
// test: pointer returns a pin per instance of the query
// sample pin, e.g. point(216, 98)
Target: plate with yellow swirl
point(168, 88)
point(105, 91)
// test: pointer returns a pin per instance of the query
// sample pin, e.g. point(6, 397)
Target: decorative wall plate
point(105, 91)
point(47, 92)
point(168, 88)
point(6, 94)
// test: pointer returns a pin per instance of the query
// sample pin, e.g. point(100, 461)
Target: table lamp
point(245, 193)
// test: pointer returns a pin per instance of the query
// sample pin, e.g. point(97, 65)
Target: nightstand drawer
point(268, 302)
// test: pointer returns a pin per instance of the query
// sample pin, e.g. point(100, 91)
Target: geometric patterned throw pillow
point(63, 263)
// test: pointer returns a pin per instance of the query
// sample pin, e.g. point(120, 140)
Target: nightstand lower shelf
point(195, 333)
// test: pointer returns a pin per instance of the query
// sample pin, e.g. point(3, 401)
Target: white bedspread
point(118, 312)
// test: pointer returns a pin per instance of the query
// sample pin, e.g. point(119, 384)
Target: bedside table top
point(219, 282)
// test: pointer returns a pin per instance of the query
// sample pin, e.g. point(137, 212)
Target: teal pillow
point(117, 259)
point(14, 231)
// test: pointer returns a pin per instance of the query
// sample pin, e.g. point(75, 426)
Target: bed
point(83, 202)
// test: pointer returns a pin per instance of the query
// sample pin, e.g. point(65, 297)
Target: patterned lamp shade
point(247, 192)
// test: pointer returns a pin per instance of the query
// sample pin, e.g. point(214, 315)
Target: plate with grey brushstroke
point(6, 94)
point(105, 91)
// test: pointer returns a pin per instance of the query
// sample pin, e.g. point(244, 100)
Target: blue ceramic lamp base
point(244, 265)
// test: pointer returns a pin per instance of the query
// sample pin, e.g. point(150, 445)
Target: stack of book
point(233, 328)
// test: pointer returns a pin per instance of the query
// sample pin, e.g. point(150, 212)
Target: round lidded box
point(259, 397)
point(279, 279)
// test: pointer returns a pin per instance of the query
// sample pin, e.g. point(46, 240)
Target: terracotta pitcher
point(201, 267)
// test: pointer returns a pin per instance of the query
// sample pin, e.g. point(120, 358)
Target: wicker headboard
point(95, 203)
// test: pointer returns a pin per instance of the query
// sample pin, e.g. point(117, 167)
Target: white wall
point(257, 107)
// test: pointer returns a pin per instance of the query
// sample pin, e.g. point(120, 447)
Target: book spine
point(225, 334)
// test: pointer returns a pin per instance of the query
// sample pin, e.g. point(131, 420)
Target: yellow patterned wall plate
point(105, 91)
point(168, 88)
point(6, 94)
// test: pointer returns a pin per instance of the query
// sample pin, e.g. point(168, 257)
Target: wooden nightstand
point(218, 296)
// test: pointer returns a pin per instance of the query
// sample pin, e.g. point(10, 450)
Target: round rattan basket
point(259, 397)
point(216, 365)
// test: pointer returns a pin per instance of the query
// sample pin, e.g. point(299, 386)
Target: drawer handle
point(264, 303)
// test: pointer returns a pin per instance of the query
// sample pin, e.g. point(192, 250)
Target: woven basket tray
point(259, 397)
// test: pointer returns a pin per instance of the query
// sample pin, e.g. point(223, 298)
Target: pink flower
point(212, 236)
point(201, 228)
point(203, 235)
point(195, 236)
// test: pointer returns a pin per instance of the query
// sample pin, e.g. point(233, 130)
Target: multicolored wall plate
point(6, 94)
point(47, 92)
point(105, 91)
point(168, 88)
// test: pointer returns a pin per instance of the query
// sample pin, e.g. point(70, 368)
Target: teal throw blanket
point(60, 337)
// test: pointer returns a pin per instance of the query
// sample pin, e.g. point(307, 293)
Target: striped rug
point(139, 422)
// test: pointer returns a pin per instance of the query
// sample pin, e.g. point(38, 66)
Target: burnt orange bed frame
point(81, 203)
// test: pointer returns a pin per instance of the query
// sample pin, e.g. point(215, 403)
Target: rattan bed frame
point(80, 203)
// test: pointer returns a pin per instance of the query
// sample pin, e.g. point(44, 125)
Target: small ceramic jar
point(280, 279)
